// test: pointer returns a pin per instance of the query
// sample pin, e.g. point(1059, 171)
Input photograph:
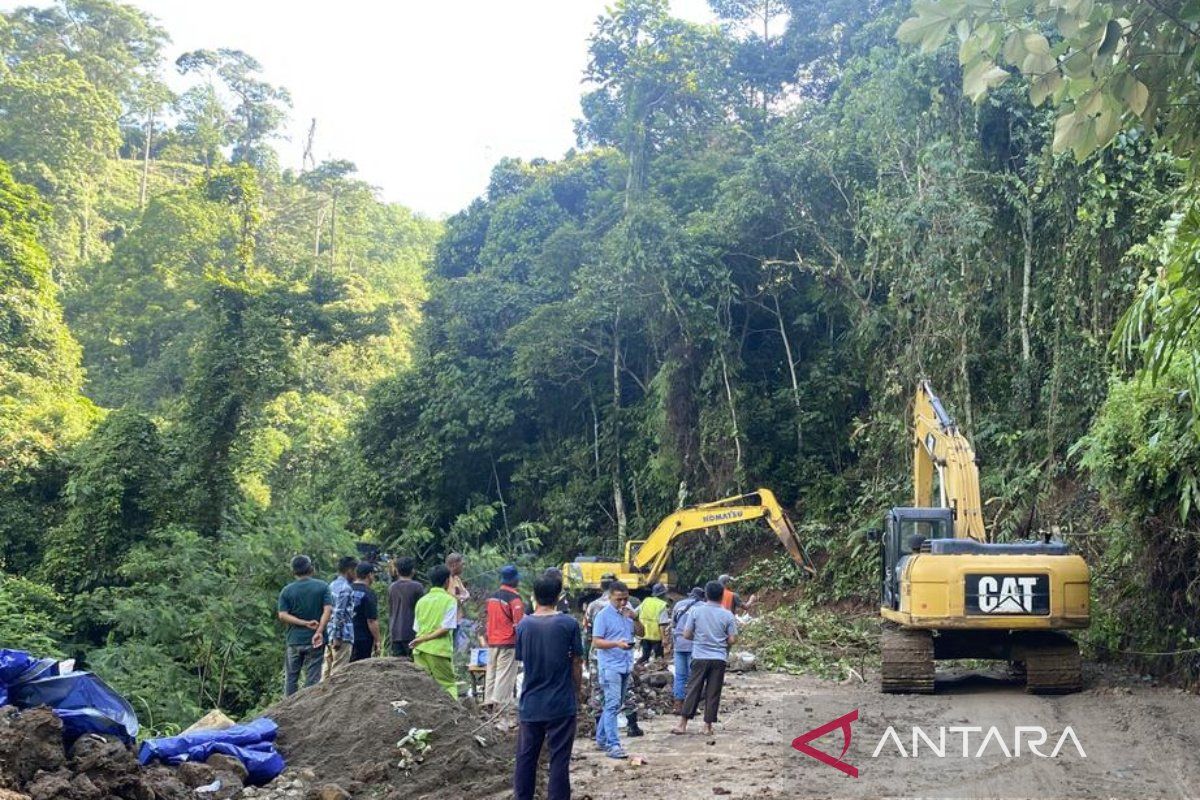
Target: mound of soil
point(34, 763)
point(346, 730)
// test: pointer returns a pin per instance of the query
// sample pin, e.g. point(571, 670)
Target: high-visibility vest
point(727, 600)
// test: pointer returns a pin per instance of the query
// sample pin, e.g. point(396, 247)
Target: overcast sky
point(423, 96)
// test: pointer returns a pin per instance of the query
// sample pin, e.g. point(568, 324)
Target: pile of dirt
point(34, 764)
point(346, 731)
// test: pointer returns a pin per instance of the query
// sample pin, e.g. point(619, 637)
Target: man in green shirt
point(304, 606)
point(436, 619)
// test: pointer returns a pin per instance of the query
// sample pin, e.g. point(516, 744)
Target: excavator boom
point(940, 447)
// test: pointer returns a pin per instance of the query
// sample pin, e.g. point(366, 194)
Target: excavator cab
point(904, 531)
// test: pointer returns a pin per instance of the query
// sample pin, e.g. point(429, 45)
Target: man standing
point(712, 629)
point(436, 617)
point(730, 600)
point(304, 606)
point(340, 633)
point(365, 612)
point(652, 614)
point(612, 637)
point(682, 646)
point(551, 648)
point(504, 612)
point(456, 563)
point(402, 600)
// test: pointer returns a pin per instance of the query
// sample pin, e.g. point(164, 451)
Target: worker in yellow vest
point(653, 615)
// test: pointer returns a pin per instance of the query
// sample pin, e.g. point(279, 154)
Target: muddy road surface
point(1136, 742)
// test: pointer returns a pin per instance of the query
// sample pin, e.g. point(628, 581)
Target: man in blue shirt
point(340, 631)
point(612, 638)
point(682, 647)
point(711, 629)
point(550, 647)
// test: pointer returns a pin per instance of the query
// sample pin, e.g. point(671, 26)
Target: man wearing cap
point(729, 598)
point(652, 614)
point(681, 646)
point(504, 611)
point(365, 612)
point(304, 606)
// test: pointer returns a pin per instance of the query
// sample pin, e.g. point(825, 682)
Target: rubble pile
point(385, 725)
point(34, 764)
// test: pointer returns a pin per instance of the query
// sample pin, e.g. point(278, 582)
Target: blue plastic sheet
point(85, 703)
point(252, 744)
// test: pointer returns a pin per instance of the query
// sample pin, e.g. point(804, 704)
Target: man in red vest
point(504, 611)
point(730, 600)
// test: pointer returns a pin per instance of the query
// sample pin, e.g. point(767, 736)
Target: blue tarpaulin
point(252, 744)
point(85, 703)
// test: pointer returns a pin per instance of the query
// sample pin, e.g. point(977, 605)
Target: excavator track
point(907, 660)
point(1052, 663)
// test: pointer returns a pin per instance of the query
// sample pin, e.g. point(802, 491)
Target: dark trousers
point(361, 650)
point(559, 737)
point(300, 657)
point(650, 648)
point(402, 648)
point(708, 676)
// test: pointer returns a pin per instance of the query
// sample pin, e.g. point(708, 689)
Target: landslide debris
point(34, 763)
point(345, 732)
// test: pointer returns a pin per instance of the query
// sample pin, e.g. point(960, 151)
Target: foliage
point(806, 638)
point(29, 617)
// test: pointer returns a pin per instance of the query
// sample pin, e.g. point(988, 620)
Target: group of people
point(337, 623)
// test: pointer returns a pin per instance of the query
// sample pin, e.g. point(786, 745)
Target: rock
point(83, 788)
point(331, 791)
point(658, 679)
point(50, 785)
point(194, 773)
point(231, 785)
point(92, 753)
point(222, 762)
point(307, 774)
point(30, 741)
point(5, 794)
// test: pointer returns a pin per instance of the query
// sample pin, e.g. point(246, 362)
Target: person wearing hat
point(504, 611)
point(305, 606)
point(729, 598)
point(653, 614)
point(365, 612)
point(682, 648)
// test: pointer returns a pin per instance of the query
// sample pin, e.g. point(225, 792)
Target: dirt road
point(1139, 742)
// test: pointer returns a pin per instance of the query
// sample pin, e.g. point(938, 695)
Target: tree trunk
point(1027, 237)
point(618, 498)
point(333, 234)
point(787, 349)
point(146, 163)
point(737, 438)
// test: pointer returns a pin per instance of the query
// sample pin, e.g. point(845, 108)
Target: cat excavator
point(648, 561)
point(947, 592)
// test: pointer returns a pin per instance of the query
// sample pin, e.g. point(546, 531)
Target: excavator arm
point(653, 554)
point(939, 447)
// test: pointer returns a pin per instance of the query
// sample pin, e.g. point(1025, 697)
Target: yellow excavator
point(648, 561)
point(947, 592)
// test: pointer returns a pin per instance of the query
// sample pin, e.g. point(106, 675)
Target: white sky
point(423, 96)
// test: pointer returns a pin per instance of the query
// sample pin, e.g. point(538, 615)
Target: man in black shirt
point(366, 613)
point(403, 595)
point(550, 647)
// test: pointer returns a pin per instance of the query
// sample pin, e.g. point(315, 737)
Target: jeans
point(301, 656)
point(683, 670)
point(559, 736)
point(615, 685)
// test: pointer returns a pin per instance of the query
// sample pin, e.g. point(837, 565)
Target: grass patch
point(803, 638)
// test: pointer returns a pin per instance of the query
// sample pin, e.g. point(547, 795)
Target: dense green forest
point(771, 228)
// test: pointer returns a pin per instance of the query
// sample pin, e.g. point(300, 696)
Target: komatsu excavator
point(949, 593)
point(648, 561)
